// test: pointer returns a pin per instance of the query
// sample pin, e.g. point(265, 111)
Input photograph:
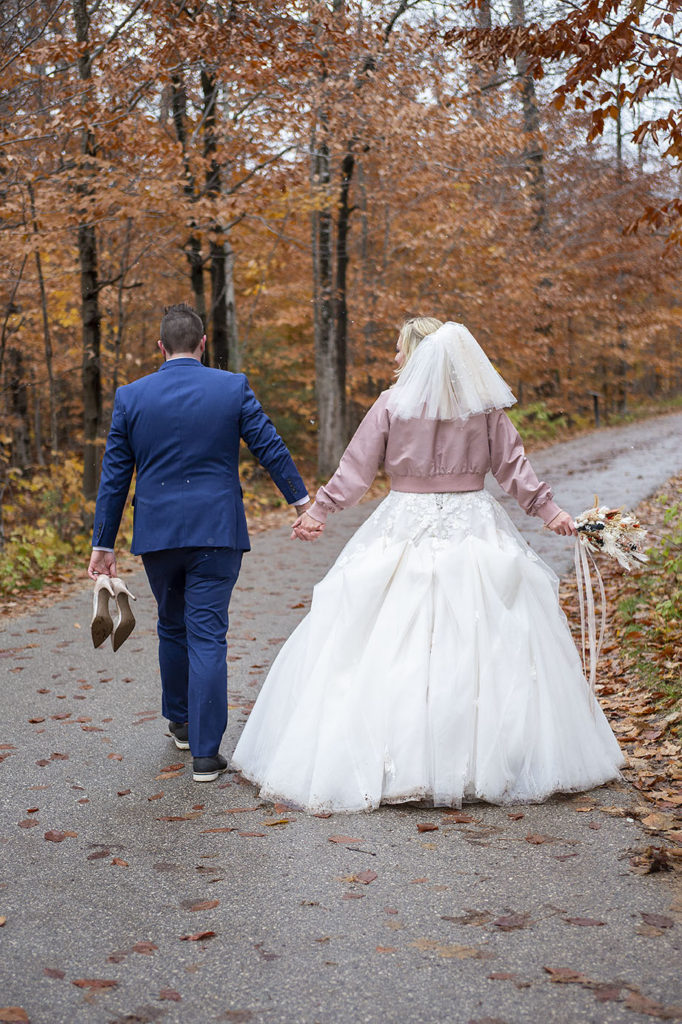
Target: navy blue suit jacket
point(181, 428)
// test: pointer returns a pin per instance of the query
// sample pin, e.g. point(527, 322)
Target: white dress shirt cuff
point(302, 501)
point(103, 549)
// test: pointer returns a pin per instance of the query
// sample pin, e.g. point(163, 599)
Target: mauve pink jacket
point(434, 456)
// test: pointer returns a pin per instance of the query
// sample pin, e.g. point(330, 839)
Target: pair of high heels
point(102, 624)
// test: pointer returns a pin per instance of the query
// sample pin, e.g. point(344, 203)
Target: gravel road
point(460, 924)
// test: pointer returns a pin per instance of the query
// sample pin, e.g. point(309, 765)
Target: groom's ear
point(160, 345)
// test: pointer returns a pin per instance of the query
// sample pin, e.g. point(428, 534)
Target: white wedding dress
point(435, 664)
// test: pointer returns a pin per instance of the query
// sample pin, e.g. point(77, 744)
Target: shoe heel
point(125, 623)
point(102, 624)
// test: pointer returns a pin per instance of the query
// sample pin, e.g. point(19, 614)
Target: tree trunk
point(533, 155)
point(220, 252)
point(233, 350)
point(89, 280)
point(192, 246)
point(18, 409)
point(37, 423)
point(120, 309)
point(330, 358)
point(52, 397)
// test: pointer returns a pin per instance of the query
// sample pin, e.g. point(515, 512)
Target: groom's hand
point(102, 563)
point(306, 528)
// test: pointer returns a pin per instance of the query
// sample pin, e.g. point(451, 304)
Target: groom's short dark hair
point(181, 328)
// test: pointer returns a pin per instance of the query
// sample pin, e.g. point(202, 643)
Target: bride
point(435, 662)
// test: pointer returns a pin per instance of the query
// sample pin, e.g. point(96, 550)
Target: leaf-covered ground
point(640, 670)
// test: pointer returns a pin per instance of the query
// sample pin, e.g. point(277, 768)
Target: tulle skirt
point(435, 664)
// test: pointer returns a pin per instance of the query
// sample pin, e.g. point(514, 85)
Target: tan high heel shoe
point(125, 623)
point(102, 624)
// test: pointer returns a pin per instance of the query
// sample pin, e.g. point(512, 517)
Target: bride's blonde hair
point(414, 330)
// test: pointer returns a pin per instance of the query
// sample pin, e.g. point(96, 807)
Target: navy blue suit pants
point(192, 587)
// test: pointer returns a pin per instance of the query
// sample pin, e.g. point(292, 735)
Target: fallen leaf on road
point(156, 796)
point(387, 949)
point(536, 839)
point(205, 905)
point(566, 976)
point(653, 859)
point(197, 936)
point(517, 816)
point(225, 828)
point(427, 826)
point(95, 983)
point(3, 921)
point(458, 817)
point(170, 993)
point(279, 821)
point(57, 837)
point(264, 953)
point(512, 922)
point(251, 835)
point(648, 931)
point(12, 1014)
point(146, 948)
point(365, 877)
point(475, 917)
point(123, 792)
point(642, 1004)
point(120, 863)
point(607, 992)
point(344, 839)
point(658, 920)
point(180, 817)
point(584, 922)
point(28, 823)
point(98, 855)
point(53, 972)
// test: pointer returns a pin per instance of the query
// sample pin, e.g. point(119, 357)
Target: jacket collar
point(180, 361)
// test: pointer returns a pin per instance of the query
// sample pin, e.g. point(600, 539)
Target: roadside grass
point(649, 614)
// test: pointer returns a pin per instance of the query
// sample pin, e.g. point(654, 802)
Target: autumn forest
point(306, 174)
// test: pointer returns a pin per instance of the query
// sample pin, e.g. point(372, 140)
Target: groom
point(180, 429)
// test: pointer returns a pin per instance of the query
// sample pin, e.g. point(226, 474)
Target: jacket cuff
point(316, 511)
point(547, 511)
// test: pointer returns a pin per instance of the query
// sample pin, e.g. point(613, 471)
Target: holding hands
point(306, 528)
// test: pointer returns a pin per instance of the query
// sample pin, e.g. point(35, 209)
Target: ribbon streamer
point(587, 614)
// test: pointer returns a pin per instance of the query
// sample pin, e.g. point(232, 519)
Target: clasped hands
point(305, 527)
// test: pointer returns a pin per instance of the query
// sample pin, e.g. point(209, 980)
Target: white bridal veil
point(449, 376)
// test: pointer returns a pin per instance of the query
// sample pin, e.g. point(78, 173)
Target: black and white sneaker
point(207, 769)
point(180, 733)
